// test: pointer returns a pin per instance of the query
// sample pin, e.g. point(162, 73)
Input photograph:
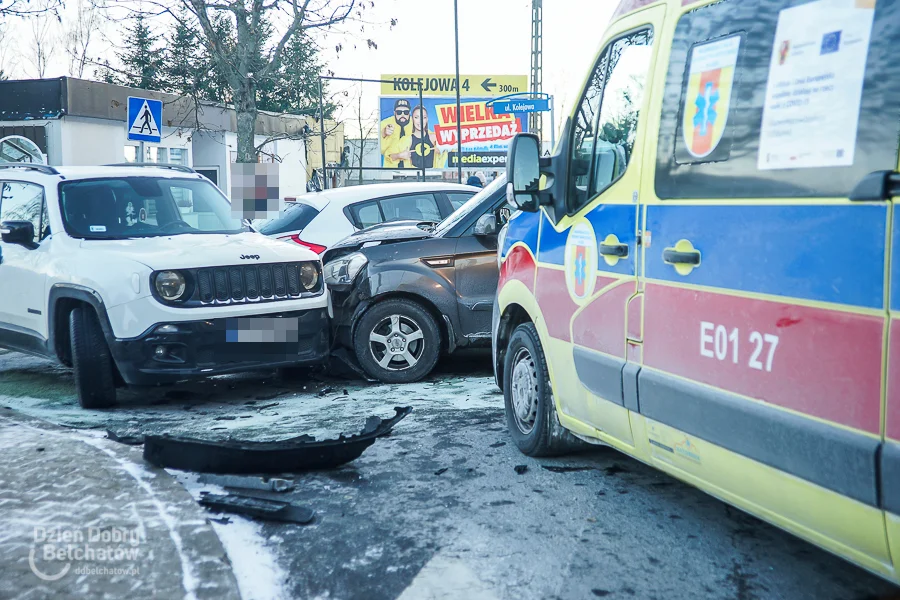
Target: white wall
point(84, 141)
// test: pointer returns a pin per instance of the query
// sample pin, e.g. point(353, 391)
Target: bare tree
point(42, 43)
point(78, 34)
point(27, 8)
point(250, 53)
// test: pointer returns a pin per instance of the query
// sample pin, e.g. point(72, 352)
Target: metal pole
point(141, 154)
point(458, 103)
point(552, 124)
point(322, 136)
point(422, 129)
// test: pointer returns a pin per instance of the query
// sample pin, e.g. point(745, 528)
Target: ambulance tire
point(528, 397)
point(95, 382)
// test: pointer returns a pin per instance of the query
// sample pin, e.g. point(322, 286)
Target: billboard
point(485, 134)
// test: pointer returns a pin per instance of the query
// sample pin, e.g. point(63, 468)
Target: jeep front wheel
point(91, 359)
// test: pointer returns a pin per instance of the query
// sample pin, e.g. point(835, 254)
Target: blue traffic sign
point(144, 119)
point(521, 106)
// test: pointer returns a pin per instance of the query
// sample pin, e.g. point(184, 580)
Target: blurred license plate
point(260, 330)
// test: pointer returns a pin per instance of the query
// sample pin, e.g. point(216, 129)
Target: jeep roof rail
point(181, 168)
point(45, 169)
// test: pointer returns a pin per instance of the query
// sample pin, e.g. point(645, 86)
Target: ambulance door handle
point(676, 257)
point(620, 250)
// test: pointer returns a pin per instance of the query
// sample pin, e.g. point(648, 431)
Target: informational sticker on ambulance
point(707, 100)
point(813, 95)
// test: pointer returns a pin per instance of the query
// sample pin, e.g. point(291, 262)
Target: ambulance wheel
point(530, 410)
point(95, 380)
point(397, 341)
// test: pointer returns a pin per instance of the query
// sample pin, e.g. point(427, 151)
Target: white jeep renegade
point(143, 275)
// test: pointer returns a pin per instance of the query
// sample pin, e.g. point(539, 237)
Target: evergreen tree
point(294, 87)
point(142, 61)
point(213, 85)
point(183, 66)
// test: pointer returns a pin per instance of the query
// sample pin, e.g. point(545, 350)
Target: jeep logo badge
point(249, 256)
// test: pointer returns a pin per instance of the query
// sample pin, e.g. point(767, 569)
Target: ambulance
point(705, 274)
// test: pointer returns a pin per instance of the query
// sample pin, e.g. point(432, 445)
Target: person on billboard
point(396, 136)
point(424, 151)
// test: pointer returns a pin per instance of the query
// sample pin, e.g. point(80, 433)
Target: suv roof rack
point(45, 169)
point(181, 168)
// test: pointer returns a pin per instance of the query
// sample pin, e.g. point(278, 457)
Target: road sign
point(521, 106)
point(481, 86)
point(144, 119)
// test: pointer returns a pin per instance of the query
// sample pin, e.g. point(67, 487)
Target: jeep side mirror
point(486, 225)
point(523, 172)
point(18, 232)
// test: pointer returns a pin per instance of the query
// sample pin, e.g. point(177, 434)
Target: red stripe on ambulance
point(815, 361)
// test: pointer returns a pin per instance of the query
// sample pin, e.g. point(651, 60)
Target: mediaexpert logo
point(55, 549)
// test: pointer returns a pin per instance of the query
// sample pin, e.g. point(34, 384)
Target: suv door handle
point(620, 250)
point(678, 257)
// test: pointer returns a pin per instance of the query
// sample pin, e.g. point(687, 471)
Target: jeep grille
point(249, 283)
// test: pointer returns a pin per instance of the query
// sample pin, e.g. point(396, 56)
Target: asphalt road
point(439, 510)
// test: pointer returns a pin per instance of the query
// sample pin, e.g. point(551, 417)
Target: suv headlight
point(170, 285)
point(345, 269)
point(309, 276)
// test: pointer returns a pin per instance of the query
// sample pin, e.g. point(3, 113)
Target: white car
point(109, 270)
point(320, 219)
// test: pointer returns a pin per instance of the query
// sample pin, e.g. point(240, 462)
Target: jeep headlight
point(170, 285)
point(345, 269)
point(309, 276)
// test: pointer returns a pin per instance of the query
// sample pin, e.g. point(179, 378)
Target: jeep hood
point(199, 250)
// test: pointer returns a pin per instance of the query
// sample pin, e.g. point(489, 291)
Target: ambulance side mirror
point(523, 172)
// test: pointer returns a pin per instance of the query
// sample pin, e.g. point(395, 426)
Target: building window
point(131, 154)
point(178, 156)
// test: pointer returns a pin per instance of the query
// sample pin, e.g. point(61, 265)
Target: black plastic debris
point(441, 471)
point(125, 438)
point(567, 468)
point(260, 508)
point(293, 455)
point(520, 469)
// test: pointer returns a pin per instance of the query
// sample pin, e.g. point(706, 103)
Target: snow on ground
point(249, 406)
point(253, 562)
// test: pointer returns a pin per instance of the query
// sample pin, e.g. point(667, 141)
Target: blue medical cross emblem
point(706, 108)
point(580, 266)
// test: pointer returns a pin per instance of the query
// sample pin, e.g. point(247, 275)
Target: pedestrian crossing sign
point(144, 119)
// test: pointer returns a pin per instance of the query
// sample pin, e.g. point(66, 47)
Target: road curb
point(79, 494)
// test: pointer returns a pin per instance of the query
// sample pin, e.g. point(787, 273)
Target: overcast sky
point(495, 38)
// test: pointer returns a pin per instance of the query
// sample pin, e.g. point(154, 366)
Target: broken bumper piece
point(260, 508)
point(294, 455)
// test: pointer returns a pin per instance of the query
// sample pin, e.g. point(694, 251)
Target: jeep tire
point(94, 370)
point(528, 398)
point(397, 341)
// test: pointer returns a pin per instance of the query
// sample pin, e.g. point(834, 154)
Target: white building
point(78, 122)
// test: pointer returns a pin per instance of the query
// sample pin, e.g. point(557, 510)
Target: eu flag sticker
point(831, 42)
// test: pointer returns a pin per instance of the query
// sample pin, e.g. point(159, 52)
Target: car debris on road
point(260, 508)
point(302, 453)
point(266, 484)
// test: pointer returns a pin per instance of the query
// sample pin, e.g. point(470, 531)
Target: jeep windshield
point(471, 204)
point(133, 207)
